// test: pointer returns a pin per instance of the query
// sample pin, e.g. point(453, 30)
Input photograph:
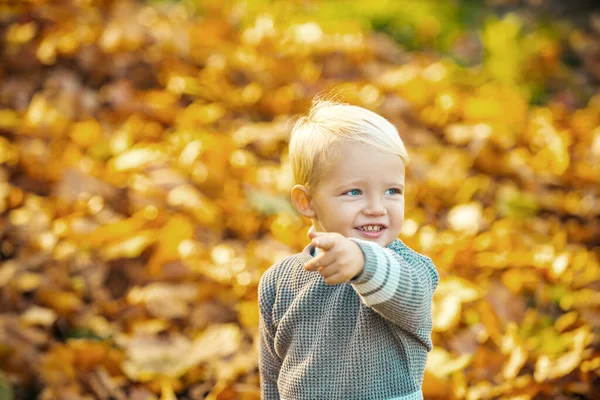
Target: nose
point(375, 208)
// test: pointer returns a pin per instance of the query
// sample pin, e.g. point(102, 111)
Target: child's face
point(361, 195)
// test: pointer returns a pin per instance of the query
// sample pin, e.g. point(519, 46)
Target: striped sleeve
point(399, 286)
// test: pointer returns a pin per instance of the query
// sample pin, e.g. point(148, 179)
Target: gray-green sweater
point(366, 339)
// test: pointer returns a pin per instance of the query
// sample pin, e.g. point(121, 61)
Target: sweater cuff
point(374, 271)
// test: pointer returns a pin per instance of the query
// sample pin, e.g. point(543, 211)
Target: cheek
point(343, 212)
point(397, 211)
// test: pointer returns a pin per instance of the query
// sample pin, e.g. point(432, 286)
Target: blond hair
point(330, 123)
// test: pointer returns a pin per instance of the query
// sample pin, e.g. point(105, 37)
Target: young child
point(350, 316)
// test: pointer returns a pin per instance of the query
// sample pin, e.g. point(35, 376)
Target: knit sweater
point(364, 339)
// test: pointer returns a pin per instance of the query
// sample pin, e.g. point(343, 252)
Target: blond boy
point(350, 316)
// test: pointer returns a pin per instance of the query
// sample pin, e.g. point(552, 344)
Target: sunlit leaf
point(441, 364)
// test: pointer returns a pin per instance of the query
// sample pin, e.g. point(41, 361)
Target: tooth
point(371, 228)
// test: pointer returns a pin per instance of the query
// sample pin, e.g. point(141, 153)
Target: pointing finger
point(324, 242)
point(315, 263)
point(322, 260)
point(313, 234)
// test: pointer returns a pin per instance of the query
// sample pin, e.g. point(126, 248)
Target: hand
point(340, 258)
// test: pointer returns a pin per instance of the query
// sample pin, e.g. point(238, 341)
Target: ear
point(301, 199)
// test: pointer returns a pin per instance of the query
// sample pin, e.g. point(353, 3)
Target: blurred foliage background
point(144, 185)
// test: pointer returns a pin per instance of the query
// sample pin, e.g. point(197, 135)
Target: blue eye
point(393, 191)
point(353, 192)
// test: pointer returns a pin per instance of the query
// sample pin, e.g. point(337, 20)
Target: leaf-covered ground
point(144, 186)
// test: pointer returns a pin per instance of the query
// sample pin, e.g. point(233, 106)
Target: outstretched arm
point(396, 282)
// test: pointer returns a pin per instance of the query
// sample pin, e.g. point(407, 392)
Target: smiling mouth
point(371, 228)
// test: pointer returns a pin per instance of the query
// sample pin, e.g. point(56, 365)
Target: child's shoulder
point(408, 253)
point(281, 270)
point(415, 258)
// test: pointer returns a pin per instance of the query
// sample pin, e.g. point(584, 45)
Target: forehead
point(356, 161)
